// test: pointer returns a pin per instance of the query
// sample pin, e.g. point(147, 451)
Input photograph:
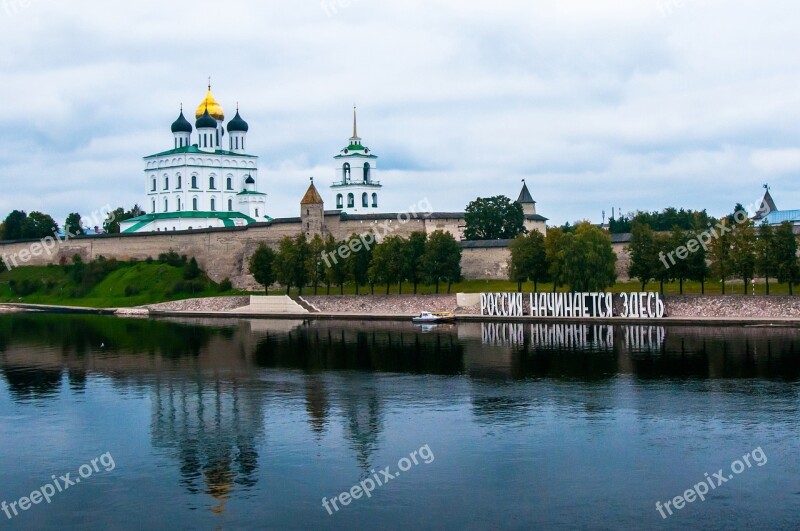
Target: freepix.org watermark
point(57, 485)
point(711, 482)
point(48, 245)
point(703, 239)
point(368, 485)
point(376, 235)
point(332, 7)
point(13, 7)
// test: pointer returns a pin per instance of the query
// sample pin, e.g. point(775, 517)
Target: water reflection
point(224, 398)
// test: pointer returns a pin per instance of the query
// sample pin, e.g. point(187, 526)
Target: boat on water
point(434, 317)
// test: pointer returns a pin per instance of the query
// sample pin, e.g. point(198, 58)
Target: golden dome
point(214, 108)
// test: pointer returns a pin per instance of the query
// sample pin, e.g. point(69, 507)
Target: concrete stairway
point(272, 305)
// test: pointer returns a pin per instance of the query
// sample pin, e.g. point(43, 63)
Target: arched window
point(166, 205)
point(256, 213)
point(374, 200)
point(211, 183)
point(346, 172)
point(154, 207)
point(366, 173)
point(365, 200)
point(180, 182)
point(230, 205)
point(351, 201)
point(194, 203)
point(166, 183)
point(153, 185)
point(339, 201)
point(213, 205)
point(178, 201)
point(194, 182)
point(229, 183)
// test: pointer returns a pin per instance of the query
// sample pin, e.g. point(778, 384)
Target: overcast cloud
point(597, 104)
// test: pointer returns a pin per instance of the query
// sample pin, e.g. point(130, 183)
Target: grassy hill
point(112, 284)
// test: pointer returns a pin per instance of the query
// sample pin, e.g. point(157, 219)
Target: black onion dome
point(238, 124)
point(206, 121)
point(181, 125)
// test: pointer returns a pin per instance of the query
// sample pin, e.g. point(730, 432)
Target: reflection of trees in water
point(213, 428)
point(728, 353)
point(31, 383)
point(84, 334)
point(321, 348)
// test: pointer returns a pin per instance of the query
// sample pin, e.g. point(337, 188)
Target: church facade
point(206, 180)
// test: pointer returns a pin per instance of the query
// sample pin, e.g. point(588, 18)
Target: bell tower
point(355, 188)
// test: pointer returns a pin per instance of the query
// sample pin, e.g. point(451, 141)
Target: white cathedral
point(212, 182)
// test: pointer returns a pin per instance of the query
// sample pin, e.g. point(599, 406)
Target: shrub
point(149, 260)
point(172, 258)
point(130, 291)
point(225, 285)
point(192, 270)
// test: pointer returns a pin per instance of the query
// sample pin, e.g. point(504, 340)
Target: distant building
point(533, 221)
point(768, 212)
point(356, 190)
point(210, 183)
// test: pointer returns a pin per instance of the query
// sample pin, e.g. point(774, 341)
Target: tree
point(518, 262)
point(743, 252)
point(442, 259)
point(493, 218)
point(554, 249)
point(284, 262)
point(645, 264)
point(262, 266)
point(111, 224)
point(720, 255)
point(415, 249)
point(73, 225)
point(339, 270)
point(299, 265)
point(764, 252)
point(39, 225)
point(387, 264)
point(589, 262)
point(192, 270)
point(359, 264)
point(314, 262)
point(785, 255)
point(13, 225)
point(528, 260)
point(682, 269)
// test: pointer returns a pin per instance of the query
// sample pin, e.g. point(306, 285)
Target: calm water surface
point(248, 424)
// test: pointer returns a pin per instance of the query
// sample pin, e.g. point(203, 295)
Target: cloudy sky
point(632, 104)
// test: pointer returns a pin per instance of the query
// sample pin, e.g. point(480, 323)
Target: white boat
point(434, 317)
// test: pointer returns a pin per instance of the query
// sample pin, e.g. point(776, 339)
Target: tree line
point(582, 259)
point(301, 263)
point(730, 250)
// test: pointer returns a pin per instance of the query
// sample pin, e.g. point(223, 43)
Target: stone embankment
point(382, 304)
point(743, 306)
point(210, 304)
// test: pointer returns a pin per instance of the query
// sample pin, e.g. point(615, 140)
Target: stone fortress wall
point(224, 252)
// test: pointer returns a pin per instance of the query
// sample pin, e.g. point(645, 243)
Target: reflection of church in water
point(213, 428)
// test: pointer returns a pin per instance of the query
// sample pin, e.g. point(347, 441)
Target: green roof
point(226, 217)
point(195, 149)
point(248, 192)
